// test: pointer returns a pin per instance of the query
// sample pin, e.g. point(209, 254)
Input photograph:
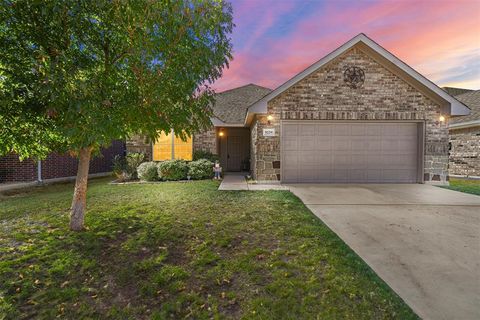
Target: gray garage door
point(349, 152)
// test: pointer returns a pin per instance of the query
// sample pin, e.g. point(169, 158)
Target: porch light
point(221, 133)
point(441, 118)
point(269, 118)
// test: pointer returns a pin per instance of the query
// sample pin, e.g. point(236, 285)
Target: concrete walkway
point(423, 241)
point(238, 182)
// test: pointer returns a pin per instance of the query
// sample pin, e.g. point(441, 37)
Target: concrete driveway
point(422, 240)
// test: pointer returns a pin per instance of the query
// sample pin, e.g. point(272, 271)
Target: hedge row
point(172, 170)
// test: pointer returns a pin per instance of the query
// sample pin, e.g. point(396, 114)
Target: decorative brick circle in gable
point(354, 77)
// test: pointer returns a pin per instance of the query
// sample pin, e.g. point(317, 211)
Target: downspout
point(39, 171)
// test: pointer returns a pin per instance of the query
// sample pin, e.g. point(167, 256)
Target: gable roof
point(456, 91)
point(231, 106)
point(472, 100)
point(451, 105)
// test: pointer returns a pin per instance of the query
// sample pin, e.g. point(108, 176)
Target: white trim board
point(466, 124)
point(456, 107)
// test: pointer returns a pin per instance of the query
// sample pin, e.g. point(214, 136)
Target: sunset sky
point(275, 39)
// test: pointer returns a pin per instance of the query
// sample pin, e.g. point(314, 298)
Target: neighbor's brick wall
point(56, 165)
point(206, 141)
point(465, 152)
point(323, 95)
point(14, 170)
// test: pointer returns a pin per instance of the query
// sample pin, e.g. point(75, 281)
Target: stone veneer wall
point(465, 152)
point(140, 144)
point(324, 95)
point(206, 141)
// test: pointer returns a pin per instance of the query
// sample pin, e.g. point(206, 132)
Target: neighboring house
point(465, 138)
point(358, 115)
point(55, 165)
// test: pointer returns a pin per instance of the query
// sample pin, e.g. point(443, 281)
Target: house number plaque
point(269, 132)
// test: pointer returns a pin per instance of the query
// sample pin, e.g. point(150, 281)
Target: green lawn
point(468, 186)
point(180, 250)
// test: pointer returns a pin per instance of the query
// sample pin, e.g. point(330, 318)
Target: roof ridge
point(243, 86)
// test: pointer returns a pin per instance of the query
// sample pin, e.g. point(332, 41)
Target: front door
point(234, 153)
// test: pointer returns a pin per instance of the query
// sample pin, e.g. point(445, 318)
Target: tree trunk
point(79, 202)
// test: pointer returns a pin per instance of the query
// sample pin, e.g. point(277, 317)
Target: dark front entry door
point(234, 153)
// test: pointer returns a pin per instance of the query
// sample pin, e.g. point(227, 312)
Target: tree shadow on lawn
point(189, 251)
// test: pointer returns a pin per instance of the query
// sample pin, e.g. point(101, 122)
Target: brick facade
point(465, 152)
point(323, 95)
point(55, 165)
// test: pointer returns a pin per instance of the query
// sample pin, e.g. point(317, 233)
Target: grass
point(467, 186)
point(180, 250)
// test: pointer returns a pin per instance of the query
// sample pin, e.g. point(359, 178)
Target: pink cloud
point(435, 38)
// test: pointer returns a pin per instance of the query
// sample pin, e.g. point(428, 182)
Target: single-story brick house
point(358, 115)
point(465, 138)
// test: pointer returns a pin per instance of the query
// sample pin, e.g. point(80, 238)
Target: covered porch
point(233, 144)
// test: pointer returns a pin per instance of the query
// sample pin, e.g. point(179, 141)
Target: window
point(170, 147)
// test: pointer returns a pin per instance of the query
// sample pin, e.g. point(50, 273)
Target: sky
point(275, 39)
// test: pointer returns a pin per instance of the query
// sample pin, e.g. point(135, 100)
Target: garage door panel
point(290, 130)
point(358, 130)
point(357, 175)
point(306, 143)
point(342, 130)
point(323, 143)
point(341, 143)
point(290, 159)
point(389, 130)
point(407, 130)
point(340, 175)
point(290, 175)
point(390, 145)
point(374, 145)
point(348, 152)
point(308, 174)
point(290, 143)
point(323, 130)
point(374, 129)
point(359, 161)
point(308, 158)
point(306, 130)
point(324, 160)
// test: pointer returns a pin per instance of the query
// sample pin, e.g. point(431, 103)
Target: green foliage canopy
point(77, 73)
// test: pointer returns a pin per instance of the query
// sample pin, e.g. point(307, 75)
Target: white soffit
point(219, 123)
point(456, 107)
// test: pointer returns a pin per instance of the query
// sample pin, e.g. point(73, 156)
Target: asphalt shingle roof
point(231, 105)
point(472, 100)
point(456, 91)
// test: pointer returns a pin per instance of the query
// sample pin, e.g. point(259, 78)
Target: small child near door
point(217, 170)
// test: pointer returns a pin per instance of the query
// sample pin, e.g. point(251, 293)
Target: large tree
point(77, 74)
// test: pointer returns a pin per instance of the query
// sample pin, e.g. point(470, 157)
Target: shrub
point(133, 161)
point(125, 168)
point(119, 165)
point(200, 169)
point(148, 171)
point(172, 170)
point(203, 154)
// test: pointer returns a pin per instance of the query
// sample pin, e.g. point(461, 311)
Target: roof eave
point(463, 125)
point(219, 123)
